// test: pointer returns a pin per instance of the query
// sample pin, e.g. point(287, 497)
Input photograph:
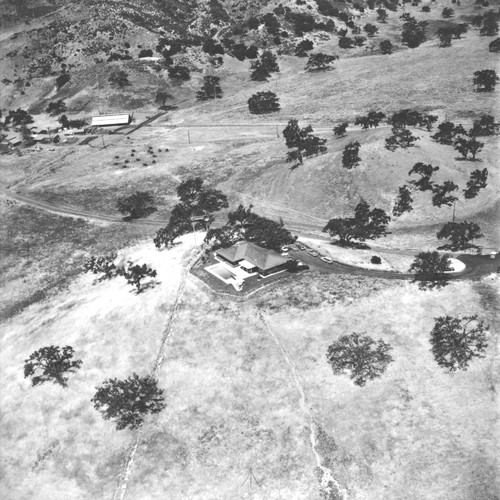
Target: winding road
point(477, 265)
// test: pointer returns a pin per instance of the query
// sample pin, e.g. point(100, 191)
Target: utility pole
point(277, 133)
point(453, 218)
point(189, 137)
point(102, 137)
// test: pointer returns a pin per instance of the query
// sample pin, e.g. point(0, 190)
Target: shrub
point(376, 259)
point(146, 53)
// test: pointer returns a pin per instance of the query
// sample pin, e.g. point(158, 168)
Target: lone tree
point(340, 129)
point(445, 36)
point(263, 103)
point(303, 141)
point(210, 89)
point(104, 264)
point(119, 78)
point(303, 47)
point(466, 145)
point(425, 170)
point(401, 138)
point(457, 341)
point(372, 119)
point(382, 15)
point(135, 274)
point(386, 47)
point(360, 355)
point(485, 80)
point(317, 62)
point(494, 46)
point(370, 29)
point(441, 194)
point(429, 269)
point(478, 180)
point(56, 108)
point(460, 235)
point(404, 202)
point(365, 225)
point(128, 401)
point(447, 13)
point(137, 205)
point(166, 236)
point(350, 156)
point(51, 364)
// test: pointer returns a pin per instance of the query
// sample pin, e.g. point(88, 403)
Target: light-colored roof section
point(105, 120)
point(260, 257)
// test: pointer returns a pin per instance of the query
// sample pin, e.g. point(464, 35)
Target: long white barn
point(110, 120)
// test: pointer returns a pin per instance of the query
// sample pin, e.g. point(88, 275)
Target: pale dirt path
point(328, 483)
point(121, 489)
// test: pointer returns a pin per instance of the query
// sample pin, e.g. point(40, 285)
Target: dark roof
point(5, 147)
point(260, 257)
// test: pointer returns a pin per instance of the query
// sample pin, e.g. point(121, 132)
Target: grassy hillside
point(233, 404)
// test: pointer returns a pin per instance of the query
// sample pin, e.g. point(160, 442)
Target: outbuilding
point(111, 120)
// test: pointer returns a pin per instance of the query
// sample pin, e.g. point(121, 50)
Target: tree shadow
point(354, 244)
point(145, 287)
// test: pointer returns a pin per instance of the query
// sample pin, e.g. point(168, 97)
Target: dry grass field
point(231, 376)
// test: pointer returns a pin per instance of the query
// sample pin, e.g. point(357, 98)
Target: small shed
point(5, 147)
point(111, 120)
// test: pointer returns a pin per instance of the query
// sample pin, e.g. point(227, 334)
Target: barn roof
point(260, 257)
point(108, 120)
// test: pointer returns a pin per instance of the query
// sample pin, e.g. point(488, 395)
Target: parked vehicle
point(301, 247)
point(328, 260)
point(312, 252)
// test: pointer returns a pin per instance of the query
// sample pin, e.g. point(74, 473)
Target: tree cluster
point(372, 119)
point(243, 224)
point(320, 61)
point(138, 205)
point(485, 80)
point(410, 118)
point(197, 205)
point(305, 144)
point(413, 31)
point(401, 138)
point(263, 67)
